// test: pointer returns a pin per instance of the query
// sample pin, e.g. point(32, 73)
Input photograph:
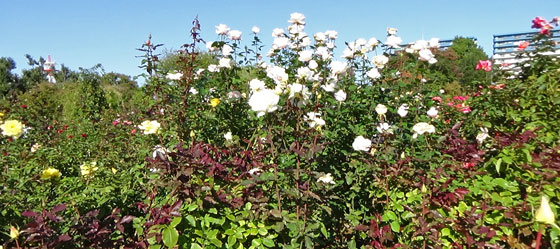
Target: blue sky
point(84, 33)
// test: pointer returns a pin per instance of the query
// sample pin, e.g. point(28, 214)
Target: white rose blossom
point(480, 137)
point(381, 109)
point(226, 50)
point(373, 73)
point(222, 29)
point(234, 35)
point(297, 18)
point(421, 128)
point(256, 30)
point(340, 96)
point(280, 42)
point(432, 112)
point(305, 55)
point(384, 128)
point(228, 136)
point(277, 32)
point(314, 120)
point(380, 61)
point(393, 41)
point(361, 144)
point(403, 110)
point(174, 76)
point(224, 63)
point(264, 101)
point(338, 67)
point(327, 179)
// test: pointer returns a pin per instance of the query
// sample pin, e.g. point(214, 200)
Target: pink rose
point(484, 65)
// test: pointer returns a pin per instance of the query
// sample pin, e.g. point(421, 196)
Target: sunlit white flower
point(329, 86)
point(160, 152)
point(174, 76)
point(222, 29)
point(392, 31)
point(280, 42)
point(228, 136)
point(381, 109)
point(384, 128)
point(372, 42)
point(305, 55)
point(320, 37)
point(226, 50)
point(305, 41)
point(313, 64)
point(256, 30)
point(403, 110)
point(314, 119)
point(278, 74)
point(373, 73)
point(331, 34)
point(299, 94)
point(480, 137)
point(323, 52)
point(432, 113)
point(361, 144)
point(213, 68)
point(348, 53)
point(277, 32)
point(338, 67)
point(426, 55)
point(254, 171)
point(306, 73)
point(330, 45)
point(421, 128)
point(380, 61)
point(264, 101)
point(327, 179)
point(297, 18)
point(234, 35)
point(256, 85)
point(340, 96)
point(224, 63)
point(149, 126)
point(433, 43)
point(193, 91)
point(441, 91)
point(393, 41)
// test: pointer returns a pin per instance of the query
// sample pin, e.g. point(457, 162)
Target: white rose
point(361, 144)
point(228, 136)
point(256, 30)
point(340, 96)
point(384, 128)
point(373, 73)
point(421, 128)
point(226, 50)
point(210, 46)
point(313, 64)
point(256, 85)
point(480, 137)
point(320, 37)
point(338, 67)
point(222, 29)
point(297, 18)
point(224, 63)
point(323, 52)
point(277, 32)
point(264, 101)
point(174, 76)
point(381, 109)
point(403, 110)
point(393, 41)
point(392, 31)
point(280, 42)
point(380, 60)
point(327, 179)
point(432, 113)
point(314, 119)
point(235, 35)
point(305, 55)
point(213, 68)
point(331, 34)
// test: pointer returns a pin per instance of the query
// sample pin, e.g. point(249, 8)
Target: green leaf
point(268, 242)
point(196, 246)
point(445, 232)
point(175, 221)
point(498, 164)
point(191, 220)
point(169, 235)
point(396, 226)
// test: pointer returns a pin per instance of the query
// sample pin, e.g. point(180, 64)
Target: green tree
point(8, 80)
point(468, 56)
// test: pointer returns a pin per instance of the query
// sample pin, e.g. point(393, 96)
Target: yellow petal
point(14, 233)
point(544, 214)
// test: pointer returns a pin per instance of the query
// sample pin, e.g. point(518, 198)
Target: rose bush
point(370, 150)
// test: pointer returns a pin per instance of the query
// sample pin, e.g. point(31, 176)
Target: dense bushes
point(390, 148)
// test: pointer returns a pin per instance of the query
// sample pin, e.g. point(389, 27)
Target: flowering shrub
point(369, 150)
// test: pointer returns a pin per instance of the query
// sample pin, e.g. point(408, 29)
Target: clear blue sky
point(84, 33)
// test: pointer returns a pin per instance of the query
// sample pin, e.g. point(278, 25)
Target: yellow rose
point(214, 102)
point(50, 173)
point(14, 233)
point(1, 114)
point(150, 127)
point(12, 128)
point(544, 214)
point(88, 169)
